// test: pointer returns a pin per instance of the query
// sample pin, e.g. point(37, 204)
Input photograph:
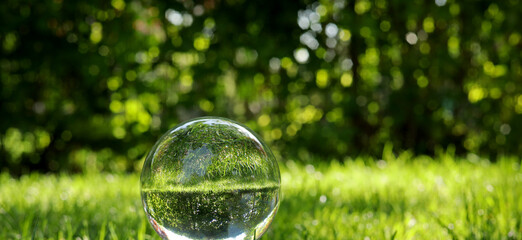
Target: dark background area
point(90, 85)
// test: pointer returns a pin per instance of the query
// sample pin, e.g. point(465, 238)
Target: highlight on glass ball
point(210, 178)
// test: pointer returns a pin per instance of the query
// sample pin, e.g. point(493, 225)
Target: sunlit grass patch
point(401, 198)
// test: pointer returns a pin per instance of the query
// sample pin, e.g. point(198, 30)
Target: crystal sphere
point(210, 178)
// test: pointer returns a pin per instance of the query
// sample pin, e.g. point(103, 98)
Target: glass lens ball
point(210, 178)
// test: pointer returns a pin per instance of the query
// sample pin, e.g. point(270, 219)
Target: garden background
point(87, 87)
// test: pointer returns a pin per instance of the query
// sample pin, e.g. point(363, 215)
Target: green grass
point(402, 198)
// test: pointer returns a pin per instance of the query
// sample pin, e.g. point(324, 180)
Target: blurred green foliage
point(90, 85)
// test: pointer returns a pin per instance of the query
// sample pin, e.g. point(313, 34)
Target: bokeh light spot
point(411, 38)
point(322, 78)
point(301, 55)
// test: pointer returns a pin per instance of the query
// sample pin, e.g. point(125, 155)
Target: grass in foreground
point(400, 198)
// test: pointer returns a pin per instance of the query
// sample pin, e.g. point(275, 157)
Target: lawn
point(403, 197)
